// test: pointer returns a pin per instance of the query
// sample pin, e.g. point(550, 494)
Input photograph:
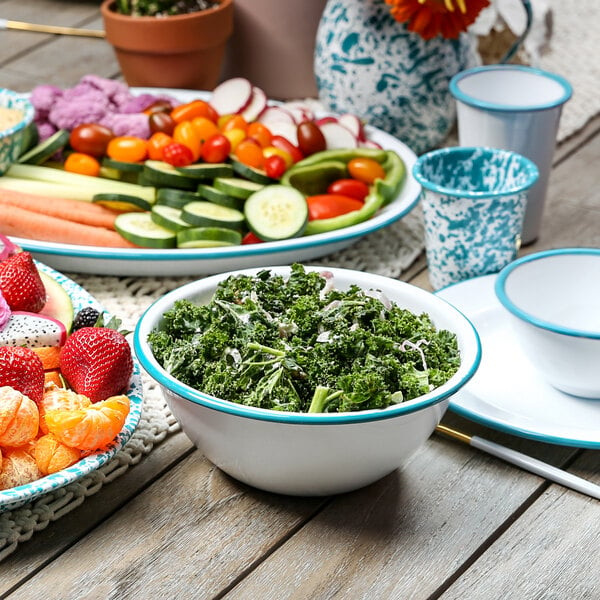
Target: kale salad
point(299, 344)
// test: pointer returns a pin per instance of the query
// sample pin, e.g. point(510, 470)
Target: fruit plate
point(14, 497)
point(194, 261)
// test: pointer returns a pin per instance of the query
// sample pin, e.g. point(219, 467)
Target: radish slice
point(354, 124)
point(274, 114)
point(301, 111)
point(257, 104)
point(325, 120)
point(370, 144)
point(337, 136)
point(231, 96)
point(287, 130)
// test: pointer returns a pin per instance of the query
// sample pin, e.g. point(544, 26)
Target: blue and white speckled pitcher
point(368, 64)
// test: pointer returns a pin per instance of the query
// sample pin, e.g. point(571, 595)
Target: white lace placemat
point(389, 252)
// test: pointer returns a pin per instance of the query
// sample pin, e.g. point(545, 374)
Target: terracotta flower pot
point(182, 51)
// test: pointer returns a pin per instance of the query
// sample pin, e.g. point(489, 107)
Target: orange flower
point(429, 18)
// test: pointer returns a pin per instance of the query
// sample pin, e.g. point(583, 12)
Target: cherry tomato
point(161, 121)
point(158, 106)
point(191, 110)
point(251, 238)
point(366, 170)
point(156, 143)
point(250, 153)
point(186, 134)
point(326, 206)
point(275, 166)
point(235, 136)
point(204, 127)
point(234, 122)
point(177, 154)
point(310, 138)
point(90, 138)
point(287, 157)
point(284, 144)
point(216, 149)
point(261, 133)
point(84, 164)
point(127, 148)
point(349, 187)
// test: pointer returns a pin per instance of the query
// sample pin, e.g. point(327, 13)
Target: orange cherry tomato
point(349, 187)
point(156, 143)
point(250, 153)
point(84, 164)
point(185, 133)
point(366, 170)
point(235, 136)
point(234, 122)
point(127, 148)
point(216, 149)
point(191, 110)
point(204, 127)
point(261, 133)
point(327, 206)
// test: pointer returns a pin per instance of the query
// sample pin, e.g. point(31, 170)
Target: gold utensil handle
point(53, 29)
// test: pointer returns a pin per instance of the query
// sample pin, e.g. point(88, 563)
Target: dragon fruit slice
point(7, 248)
point(32, 330)
point(4, 312)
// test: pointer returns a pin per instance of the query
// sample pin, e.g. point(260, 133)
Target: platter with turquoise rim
point(507, 393)
point(14, 497)
point(71, 258)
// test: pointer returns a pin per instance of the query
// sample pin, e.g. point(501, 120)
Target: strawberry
point(22, 369)
point(97, 362)
point(21, 284)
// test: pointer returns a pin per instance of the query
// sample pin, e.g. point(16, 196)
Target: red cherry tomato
point(158, 106)
point(349, 187)
point(310, 138)
point(275, 166)
point(327, 206)
point(366, 170)
point(161, 121)
point(177, 154)
point(127, 148)
point(251, 238)
point(216, 149)
point(90, 138)
point(278, 141)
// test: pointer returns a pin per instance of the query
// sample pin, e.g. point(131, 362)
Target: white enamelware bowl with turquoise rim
point(553, 298)
point(309, 454)
point(11, 139)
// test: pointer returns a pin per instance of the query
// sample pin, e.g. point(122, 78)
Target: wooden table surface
point(452, 523)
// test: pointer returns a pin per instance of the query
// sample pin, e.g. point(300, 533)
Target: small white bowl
point(11, 138)
point(554, 300)
point(310, 454)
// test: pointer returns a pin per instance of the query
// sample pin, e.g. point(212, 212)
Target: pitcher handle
point(513, 49)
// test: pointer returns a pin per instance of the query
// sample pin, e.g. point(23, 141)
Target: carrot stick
point(19, 222)
point(64, 208)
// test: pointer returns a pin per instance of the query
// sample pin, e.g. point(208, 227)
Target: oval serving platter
point(14, 497)
point(202, 261)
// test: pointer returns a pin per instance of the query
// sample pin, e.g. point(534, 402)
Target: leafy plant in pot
point(169, 43)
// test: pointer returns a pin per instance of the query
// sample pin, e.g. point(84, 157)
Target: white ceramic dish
point(507, 393)
point(149, 262)
point(17, 496)
point(302, 453)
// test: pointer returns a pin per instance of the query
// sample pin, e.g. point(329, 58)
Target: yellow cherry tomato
point(186, 134)
point(127, 148)
point(272, 151)
point(81, 163)
point(235, 136)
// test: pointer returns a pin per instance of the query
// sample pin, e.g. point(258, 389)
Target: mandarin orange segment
point(52, 456)
point(19, 418)
point(57, 398)
point(18, 468)
point(89, 428)
point(49, 355)
point(53, 376)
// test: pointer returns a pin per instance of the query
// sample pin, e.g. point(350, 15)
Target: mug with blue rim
point(473, 201)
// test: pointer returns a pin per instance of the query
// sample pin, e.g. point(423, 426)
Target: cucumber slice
point(168, 217)
point(250, 173)
point(122, 202)
point(238, 188)
point(208, 214)
point(175, 198)
point(31, 137)
point(162, 174)
point(121, 165)
point(206, 170)
point(212, 194)
point(46, 149)
point(140, 229)
point(277, 212)
point(208, 237)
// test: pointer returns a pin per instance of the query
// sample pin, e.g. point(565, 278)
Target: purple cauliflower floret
point(127, 124)
point(116, 91)
point(45, 130)
point(44, 96)
point(78, 105)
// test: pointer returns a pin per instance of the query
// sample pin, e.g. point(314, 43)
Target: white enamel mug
point(517, 108)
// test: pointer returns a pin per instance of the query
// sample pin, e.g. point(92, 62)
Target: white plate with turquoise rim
point(507, 393)
point(14, 497)
point(201, 261)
